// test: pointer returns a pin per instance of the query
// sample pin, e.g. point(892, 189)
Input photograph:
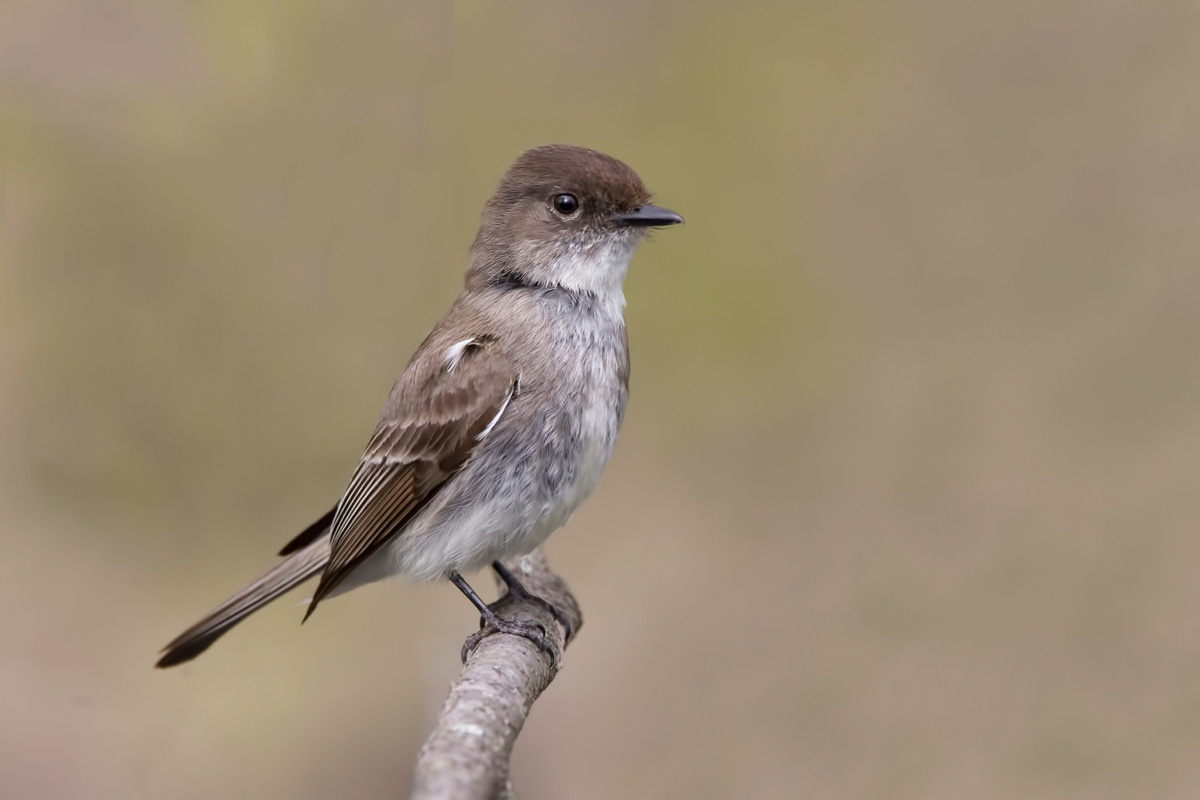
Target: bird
point(507, 413)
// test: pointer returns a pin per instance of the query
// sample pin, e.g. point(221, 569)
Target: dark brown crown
point(601, 181)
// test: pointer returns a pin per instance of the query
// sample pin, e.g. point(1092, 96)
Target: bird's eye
point(565, 204)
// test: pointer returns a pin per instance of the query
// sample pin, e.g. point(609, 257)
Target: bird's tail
point(299, 566)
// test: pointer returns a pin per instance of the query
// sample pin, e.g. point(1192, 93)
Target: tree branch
point(467, 755)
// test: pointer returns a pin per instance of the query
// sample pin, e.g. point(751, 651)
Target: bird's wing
point(431, 426)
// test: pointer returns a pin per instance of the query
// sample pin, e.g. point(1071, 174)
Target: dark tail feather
point(310, 534)
point(283, 577)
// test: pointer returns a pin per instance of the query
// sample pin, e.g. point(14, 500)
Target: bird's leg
point(489, 619)
point(518, 590)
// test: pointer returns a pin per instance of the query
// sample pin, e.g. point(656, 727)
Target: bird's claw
point(496, 624)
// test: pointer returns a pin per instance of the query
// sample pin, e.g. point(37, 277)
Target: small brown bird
point(502, 422)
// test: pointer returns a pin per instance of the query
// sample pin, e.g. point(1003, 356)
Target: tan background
point(906, 504)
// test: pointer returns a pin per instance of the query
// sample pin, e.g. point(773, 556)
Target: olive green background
point(907, 499)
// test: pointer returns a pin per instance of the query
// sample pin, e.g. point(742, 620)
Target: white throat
point(597, 266)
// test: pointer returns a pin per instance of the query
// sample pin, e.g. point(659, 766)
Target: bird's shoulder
point(457, 377)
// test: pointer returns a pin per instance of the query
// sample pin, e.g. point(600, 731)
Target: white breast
point(597, 431)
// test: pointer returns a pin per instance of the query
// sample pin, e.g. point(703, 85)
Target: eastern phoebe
point(501, 423)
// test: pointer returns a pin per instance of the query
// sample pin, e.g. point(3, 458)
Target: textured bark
point(466, 757)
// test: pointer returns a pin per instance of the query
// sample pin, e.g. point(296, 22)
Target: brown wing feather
point(427, 433)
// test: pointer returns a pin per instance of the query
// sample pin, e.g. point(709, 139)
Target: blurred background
point(906, 501)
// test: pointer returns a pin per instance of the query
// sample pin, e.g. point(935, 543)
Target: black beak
point(647, 216)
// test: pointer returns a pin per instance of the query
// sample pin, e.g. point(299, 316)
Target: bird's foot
point(490, 622)
point(519, 592)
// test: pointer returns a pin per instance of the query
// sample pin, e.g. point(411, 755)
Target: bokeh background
point(906, 503)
